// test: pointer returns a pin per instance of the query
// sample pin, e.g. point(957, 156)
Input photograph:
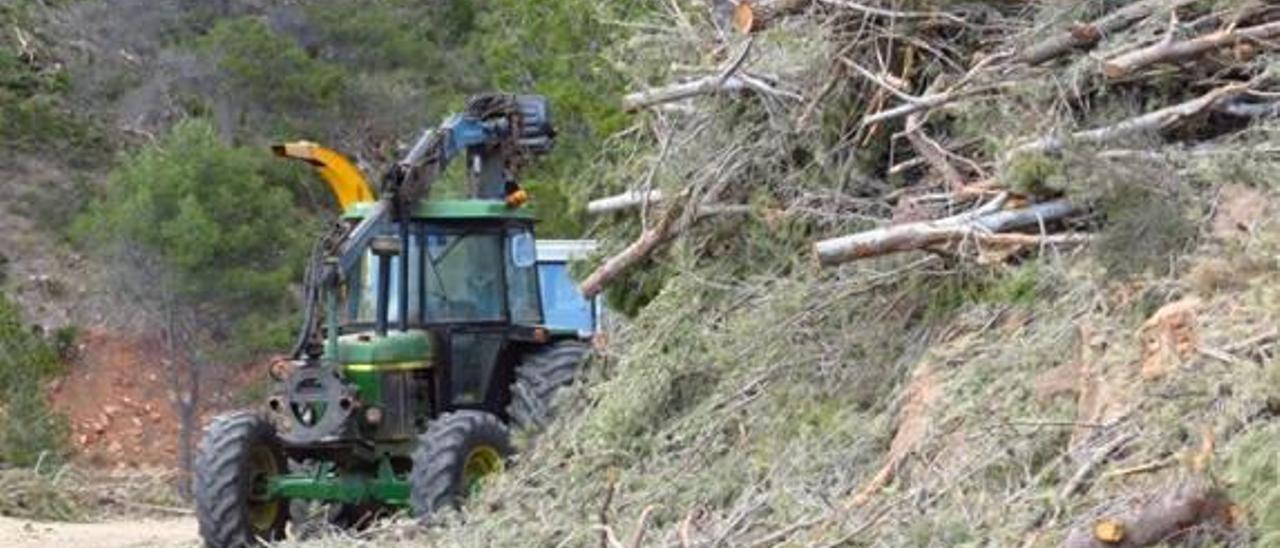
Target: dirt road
point(166, 533)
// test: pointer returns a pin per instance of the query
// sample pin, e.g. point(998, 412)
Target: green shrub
point(195, 218)
point(28, 428)
point(1253, 468)
point(34, 116)
point(28, 494)
point(1146, 229)
point(272, 68)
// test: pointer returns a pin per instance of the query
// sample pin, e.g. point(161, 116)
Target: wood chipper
point(423, 342)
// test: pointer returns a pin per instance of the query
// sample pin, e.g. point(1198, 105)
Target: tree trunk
point(684, 90)
point(1162, 520)
point(755, 15)
point(626, 200)
point(914, 236)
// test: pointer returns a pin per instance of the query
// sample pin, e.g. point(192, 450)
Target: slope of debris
point(1099, 369)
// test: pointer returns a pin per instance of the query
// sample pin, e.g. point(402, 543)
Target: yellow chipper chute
point(345, 180)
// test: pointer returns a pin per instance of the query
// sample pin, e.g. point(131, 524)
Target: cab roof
point(447, 210)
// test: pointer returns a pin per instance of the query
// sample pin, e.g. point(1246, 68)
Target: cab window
point(522, 278)
point(362, 297)
point(463, 276)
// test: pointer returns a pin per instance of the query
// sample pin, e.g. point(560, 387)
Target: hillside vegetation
point(1106, 370)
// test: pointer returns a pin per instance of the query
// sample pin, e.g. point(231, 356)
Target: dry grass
point(70, 493)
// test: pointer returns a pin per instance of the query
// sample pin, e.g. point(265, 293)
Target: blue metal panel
point(563, 307)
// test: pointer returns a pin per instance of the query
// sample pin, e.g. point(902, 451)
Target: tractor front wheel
point(455, 455)
point(237, 457)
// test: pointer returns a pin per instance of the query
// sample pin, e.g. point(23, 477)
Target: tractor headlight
point(373, 415)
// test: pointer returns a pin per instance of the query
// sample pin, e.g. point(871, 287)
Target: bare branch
point(1083, 36)
point(894, 14)
point(1171, 52)
point(1150, 121)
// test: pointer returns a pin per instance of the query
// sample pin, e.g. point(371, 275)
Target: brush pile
point(1043, 307)
point(950, 127)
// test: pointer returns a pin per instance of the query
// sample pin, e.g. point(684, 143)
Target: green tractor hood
point(398, 350)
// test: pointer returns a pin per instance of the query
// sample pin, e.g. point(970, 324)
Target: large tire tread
point(541, 374)
point(222, 482)
point(436, 480)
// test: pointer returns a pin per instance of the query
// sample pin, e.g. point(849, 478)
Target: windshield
point(456, 275)
point(463, 276)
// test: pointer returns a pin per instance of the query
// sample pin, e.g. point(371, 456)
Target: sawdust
point(923, 390)
point(1062, 380)
point(1169, 338)
point(1240, 209)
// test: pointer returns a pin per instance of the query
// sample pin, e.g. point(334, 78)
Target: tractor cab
point(464, 280)
point(469, 262)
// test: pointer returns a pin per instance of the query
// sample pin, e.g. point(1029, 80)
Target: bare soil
point(119, 401)
point(176, 532)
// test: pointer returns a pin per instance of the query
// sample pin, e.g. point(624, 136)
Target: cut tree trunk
point(668, 227)
point(634, 253)
point(1165, 518)
point(1087, 35)
point(755, 15)
point(624, 201)
point(684, 90)
point(1172, 52)
point(922, 235)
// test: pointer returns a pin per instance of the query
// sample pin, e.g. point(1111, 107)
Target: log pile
point(903, 79)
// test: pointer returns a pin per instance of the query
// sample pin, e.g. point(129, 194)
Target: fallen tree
point(1151, 121)
point(979, 226)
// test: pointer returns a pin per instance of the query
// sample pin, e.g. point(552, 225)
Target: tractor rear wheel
point(538, 377)
point(238, 455)
point(457, 452)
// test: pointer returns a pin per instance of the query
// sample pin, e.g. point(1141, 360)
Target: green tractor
point(423, 345)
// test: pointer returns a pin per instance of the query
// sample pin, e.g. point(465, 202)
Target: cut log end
point(744, 17)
